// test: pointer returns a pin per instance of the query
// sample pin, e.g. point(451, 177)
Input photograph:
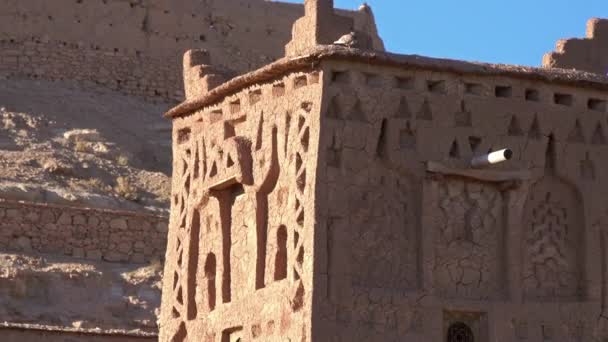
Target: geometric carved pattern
point(535, 132)
point(467, 245)
point(463, 118)
point(385, 248)
point(179, 219)
point(454, 150)
point(601, 225)
point(301, 153)
point(425, 112)
point(598, 137)
point(576, 135)
point(239, 207)
point(553, 232)
point(403, 111)
point(515, 128)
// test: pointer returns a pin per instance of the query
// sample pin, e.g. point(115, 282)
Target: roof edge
point(312, 58)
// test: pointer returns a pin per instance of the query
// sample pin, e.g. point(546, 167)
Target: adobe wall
point(241, 226)
point(136, 46)
point(92, 234)
point(410, 239)
point(587, 54)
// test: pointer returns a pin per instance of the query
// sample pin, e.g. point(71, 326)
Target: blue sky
point(496, 31)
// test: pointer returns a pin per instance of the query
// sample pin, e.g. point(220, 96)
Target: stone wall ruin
point(135, 46)
point(91, 234)
point(587, 54)
point(100, 269)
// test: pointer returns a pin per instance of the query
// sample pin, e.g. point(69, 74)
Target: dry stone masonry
point(82, 233)
point(131, 74)
point(329, 196)
point(135, 46)
point(72, 273)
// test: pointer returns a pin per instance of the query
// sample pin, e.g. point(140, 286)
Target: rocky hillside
point(91, 296)
point(62, 144)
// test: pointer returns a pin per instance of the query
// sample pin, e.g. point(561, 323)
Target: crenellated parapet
point(587, 54)
point(135, 47)
point(199, 75)
point(321, 25)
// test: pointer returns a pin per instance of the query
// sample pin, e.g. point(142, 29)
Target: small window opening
point(597, 105)
point(473, 88)
point(562, 99)
point(503, 91)
point(532, 95)
point(437, 86)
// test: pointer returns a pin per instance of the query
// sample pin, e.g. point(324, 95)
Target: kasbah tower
point(343, 193)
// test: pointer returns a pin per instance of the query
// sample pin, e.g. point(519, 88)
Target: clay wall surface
point(136, 46)
point(410, 240)
point(92, 234)
point(25, 335)
point(588, 54)
point(240, 237)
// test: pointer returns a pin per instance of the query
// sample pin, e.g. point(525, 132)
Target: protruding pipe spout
point(492, 158)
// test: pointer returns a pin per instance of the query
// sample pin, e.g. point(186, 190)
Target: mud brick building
point(329, 196)
point(86, 265)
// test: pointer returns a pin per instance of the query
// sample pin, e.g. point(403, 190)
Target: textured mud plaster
point(589, 53)
point(242, 224)
point(329, 196)
point(510, 250)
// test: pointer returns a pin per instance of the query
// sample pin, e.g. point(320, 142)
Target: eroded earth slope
point(62, 144)
point(90, 296)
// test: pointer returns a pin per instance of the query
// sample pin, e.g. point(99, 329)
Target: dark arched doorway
point(460, 332)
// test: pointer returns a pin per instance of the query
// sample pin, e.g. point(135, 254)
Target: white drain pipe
point(492, 158)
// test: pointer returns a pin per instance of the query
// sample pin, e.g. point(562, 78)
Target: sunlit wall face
point(478, 30)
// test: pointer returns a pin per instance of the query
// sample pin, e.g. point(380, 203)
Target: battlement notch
point(587, 54)
point(199, 75)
